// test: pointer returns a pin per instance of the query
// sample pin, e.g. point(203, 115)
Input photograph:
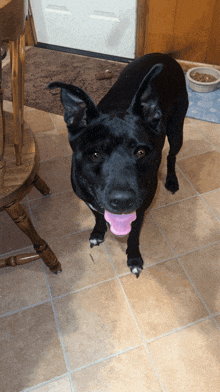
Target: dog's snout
point(121, 200)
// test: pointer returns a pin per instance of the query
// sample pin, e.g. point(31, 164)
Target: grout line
point(140, 332)
point(201, 196)
point(196, 250)
point(204, 135)
point(24, 308)
point(179, 329)
point(189, 278)
point(197, 154)
point(210, 208)
point(41, 197)
point(178, 257)
point(206, 193)
point(42, 384)
point(174, 202)
point(59, 332)
point(16, 250)
point(211, 316)
point(54, 121)
point(84, 288)
point(106, 358)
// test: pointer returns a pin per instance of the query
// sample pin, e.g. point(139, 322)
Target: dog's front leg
point(98, 233)
point(135, 261)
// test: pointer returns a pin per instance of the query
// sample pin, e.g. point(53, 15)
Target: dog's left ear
point(79, 107)
point(145, 103)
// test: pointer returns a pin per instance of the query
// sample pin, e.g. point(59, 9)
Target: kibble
point(202, 77)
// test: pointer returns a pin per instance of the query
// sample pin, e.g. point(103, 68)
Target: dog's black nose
point(121, 200)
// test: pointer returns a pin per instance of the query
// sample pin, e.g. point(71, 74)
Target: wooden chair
point(19, 162)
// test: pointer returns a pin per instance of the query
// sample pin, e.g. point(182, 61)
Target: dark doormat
point(43, 66)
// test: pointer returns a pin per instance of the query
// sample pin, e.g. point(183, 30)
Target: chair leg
point(40, 185)
point(19, 216)
point(2, 129)
point(12, 261)
point(2, 141)
point(17, 55)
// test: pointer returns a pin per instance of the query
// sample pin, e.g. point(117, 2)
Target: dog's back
point(170, 84)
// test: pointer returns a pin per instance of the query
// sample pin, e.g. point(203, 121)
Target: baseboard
point(84, 53)
point(186, 65)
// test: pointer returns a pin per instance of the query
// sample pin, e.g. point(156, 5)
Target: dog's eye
point(140, 153)
point(96, 156)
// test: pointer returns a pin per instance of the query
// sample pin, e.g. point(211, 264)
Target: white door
point(101, 26)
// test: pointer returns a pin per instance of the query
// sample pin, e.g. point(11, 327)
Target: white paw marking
point(94, 241)
point(136, 271)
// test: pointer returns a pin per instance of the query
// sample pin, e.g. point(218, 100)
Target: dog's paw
point(96, 239)
point(136, 271)
point(136, 265)
point(172, 184)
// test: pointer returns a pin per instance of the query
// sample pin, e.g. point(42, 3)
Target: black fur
point(117, 145)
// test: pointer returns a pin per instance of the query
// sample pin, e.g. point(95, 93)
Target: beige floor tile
point(58, 121)
point(60, 215)
point(153, 246)
point(203, 266)
point(188, 225)
point(39, 121)
point(65, 142)
point(163, 196)
point(56, 174)
point(61, 385)
point(203, 171)
point(30, 349)
point(187, 121)
point(194, 143)
point(96, 323)
point(210, 130)
point(11, 237)
point(127, 372)
point(81, 265)
point(162, 299)
point(190, 359)
point(213, 200)
point(51, 145)
point(23, 285)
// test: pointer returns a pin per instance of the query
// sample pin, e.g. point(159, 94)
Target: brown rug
point(43, 66)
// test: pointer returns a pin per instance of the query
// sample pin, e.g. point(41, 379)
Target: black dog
point(117, 145)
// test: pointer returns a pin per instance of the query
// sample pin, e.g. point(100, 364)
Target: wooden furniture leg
point(12, 261)
point(19, 216)
point(17, 55)
point(2, 134)
point(40, 185)
point(21, 85)
point(2, 130)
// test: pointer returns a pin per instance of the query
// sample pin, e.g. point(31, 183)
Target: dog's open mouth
point(120, 224)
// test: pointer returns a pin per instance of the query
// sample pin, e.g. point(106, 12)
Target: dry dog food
point(201, 77)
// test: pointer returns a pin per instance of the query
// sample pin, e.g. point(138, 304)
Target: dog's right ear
point(146, 104)
point(79, 107)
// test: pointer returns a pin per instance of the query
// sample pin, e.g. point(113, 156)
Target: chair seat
point(18, 179)
point(12, 19)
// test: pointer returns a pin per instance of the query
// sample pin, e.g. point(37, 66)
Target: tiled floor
point(95, 327)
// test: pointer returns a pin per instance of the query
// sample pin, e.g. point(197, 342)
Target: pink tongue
point(120, 224)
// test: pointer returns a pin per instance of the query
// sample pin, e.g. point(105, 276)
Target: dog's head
point(116, 155)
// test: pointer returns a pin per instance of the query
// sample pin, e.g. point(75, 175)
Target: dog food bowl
point(203, 87)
